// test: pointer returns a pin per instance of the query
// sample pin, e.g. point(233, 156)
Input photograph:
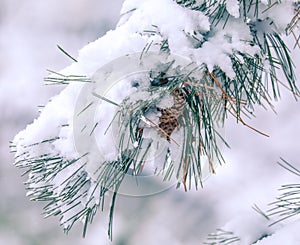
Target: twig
point(236, 114)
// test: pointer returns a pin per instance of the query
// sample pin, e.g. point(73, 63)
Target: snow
point(288, 235)
point(249, 226)
point(165, 102)
point(56, 115)
point(275, 14)
point(233, 8)
point(129, 37)
point(141, 16)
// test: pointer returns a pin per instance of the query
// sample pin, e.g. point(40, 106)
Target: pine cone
point(168, 121)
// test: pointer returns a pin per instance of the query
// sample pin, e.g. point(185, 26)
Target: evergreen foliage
point(208, 96)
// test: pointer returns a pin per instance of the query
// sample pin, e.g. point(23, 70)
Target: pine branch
point(197, 119)
point(287, 204)
point(221, 237)
point(202, 100)
point(58, 78)
point(293, 27)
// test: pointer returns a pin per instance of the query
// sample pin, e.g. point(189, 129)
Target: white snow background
point(29, 32)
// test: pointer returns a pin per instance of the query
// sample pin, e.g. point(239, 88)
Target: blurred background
point(29, 33)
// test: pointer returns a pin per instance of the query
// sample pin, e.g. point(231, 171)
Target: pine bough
point(240, 58)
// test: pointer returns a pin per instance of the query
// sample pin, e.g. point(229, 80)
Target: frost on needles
point(236, 51)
